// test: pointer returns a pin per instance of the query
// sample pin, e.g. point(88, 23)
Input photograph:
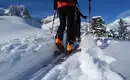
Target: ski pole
point(53, 21)
point(89, 12)
point(78, 5)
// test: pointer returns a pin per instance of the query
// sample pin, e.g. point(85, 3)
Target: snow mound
point(47, 23)
point(13, 27)
point(89, 64)
point(49, 19)
point(20, 58)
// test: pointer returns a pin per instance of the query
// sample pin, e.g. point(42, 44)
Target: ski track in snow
point(90, 64)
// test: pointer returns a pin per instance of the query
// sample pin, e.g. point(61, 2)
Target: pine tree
point(122, 29)
point(113, 33)
point(98, 26)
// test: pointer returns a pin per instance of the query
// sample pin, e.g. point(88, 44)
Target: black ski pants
point(78, 25)
point(66, 17)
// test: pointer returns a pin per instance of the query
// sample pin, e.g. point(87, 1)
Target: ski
point(65, 57)
point(45, 69)
point(61, 54)
point(56, 61)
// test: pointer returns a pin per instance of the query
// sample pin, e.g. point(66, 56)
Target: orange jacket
point(61, 4)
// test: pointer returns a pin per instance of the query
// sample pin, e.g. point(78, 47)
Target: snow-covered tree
point(113, 33)
point(1, 11)
point(122, 29)
point(98, 27)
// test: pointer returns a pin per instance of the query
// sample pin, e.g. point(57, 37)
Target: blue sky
point(109, 9)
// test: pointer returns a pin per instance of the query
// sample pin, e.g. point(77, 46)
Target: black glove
point(84, 17)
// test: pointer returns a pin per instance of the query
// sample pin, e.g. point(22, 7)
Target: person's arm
point(82, 14)
point(55, 4)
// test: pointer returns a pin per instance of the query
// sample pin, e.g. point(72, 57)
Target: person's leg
point(70, 29)
point(70, 24)
point(78, 30)
point(61, 28)
point(62, 18)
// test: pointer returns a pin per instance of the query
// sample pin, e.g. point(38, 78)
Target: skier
point(66, 11)
point(78, 23)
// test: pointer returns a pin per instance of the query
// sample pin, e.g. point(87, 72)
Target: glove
point(84, 17)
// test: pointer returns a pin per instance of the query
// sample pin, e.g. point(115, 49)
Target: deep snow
point(26, 52)
point(89, 64)
point(120, 50)
point(22, 57)
point(23, 47)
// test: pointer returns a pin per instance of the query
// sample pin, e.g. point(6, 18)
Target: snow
point(23, 47)
point(20, 58)
point(18, 10)
point(15, 10)
point(26, 50)
point(96, 17)
point(13, 27)
point(47, 23)
point(115, 24)
point(89, 64)
point(120, 51)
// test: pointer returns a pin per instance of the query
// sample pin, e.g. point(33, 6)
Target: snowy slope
point(47, 23)
point(120, 50)
point(27, 49)
point(20, 58)
point(24, 48)
point(12, 27)
point(115, 24)
point(90, 64)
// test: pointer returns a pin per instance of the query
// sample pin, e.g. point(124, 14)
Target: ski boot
point(76, 45)
point(59, 44)
point(69, 48)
